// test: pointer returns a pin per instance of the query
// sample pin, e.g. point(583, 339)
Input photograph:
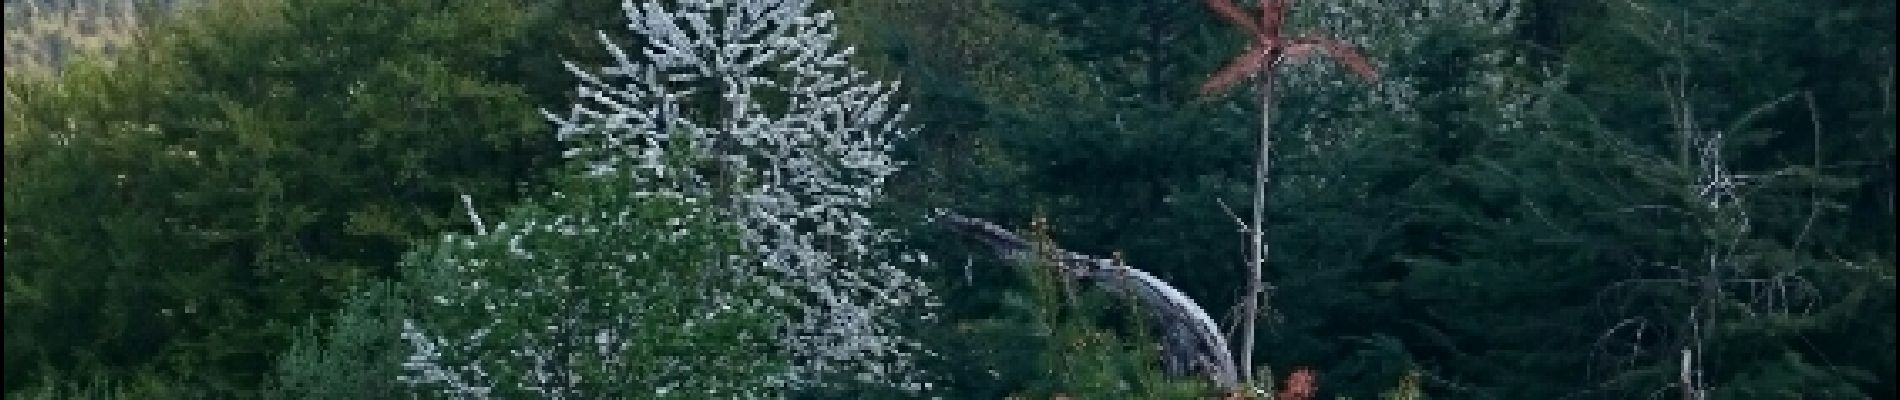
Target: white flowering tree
point(750, 105)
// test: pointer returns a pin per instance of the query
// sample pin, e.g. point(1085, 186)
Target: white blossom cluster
point(750, 104)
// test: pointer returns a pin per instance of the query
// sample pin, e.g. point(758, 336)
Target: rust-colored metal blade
point(1341, 52)
point(1235, 15)
point(1272, 17)
point(1253, 62)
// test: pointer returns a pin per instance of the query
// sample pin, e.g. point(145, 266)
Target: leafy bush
point(596, 292)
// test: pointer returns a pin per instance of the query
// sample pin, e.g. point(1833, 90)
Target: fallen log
point(1191, 343)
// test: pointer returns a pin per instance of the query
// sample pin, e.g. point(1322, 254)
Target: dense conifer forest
point(970, 199)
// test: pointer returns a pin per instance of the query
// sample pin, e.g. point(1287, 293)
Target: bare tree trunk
point(1686, 377)
point(1257, 249)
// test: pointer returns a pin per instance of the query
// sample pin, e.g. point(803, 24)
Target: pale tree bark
point(1192, 343)
point(1257, 251)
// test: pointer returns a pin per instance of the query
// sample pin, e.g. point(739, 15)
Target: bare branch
point(1191, 341)
point(468, 203)
point(1230, 214)
point(1814, 201)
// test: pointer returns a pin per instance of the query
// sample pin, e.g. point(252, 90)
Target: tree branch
point(1191, 342)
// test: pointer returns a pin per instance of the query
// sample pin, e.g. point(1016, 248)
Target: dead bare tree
point(1720, 279)
point(1268, 48)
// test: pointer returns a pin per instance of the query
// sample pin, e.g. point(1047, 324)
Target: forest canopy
point(1485, 199)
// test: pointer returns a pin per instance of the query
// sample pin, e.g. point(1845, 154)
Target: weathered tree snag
point(1191, 342)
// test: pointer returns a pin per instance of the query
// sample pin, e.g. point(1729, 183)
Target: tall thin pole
point(1269, 45)
point(1257, 252)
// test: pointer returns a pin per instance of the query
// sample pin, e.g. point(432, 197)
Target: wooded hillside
point(1508, 199)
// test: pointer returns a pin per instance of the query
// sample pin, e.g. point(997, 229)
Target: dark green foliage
point(593, 266)
point(1500, 225)
point(356, 353)
point(174, 211)
point(651, 273)
point(1482, 230)
point(1125, 164)
point(1805, 101)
